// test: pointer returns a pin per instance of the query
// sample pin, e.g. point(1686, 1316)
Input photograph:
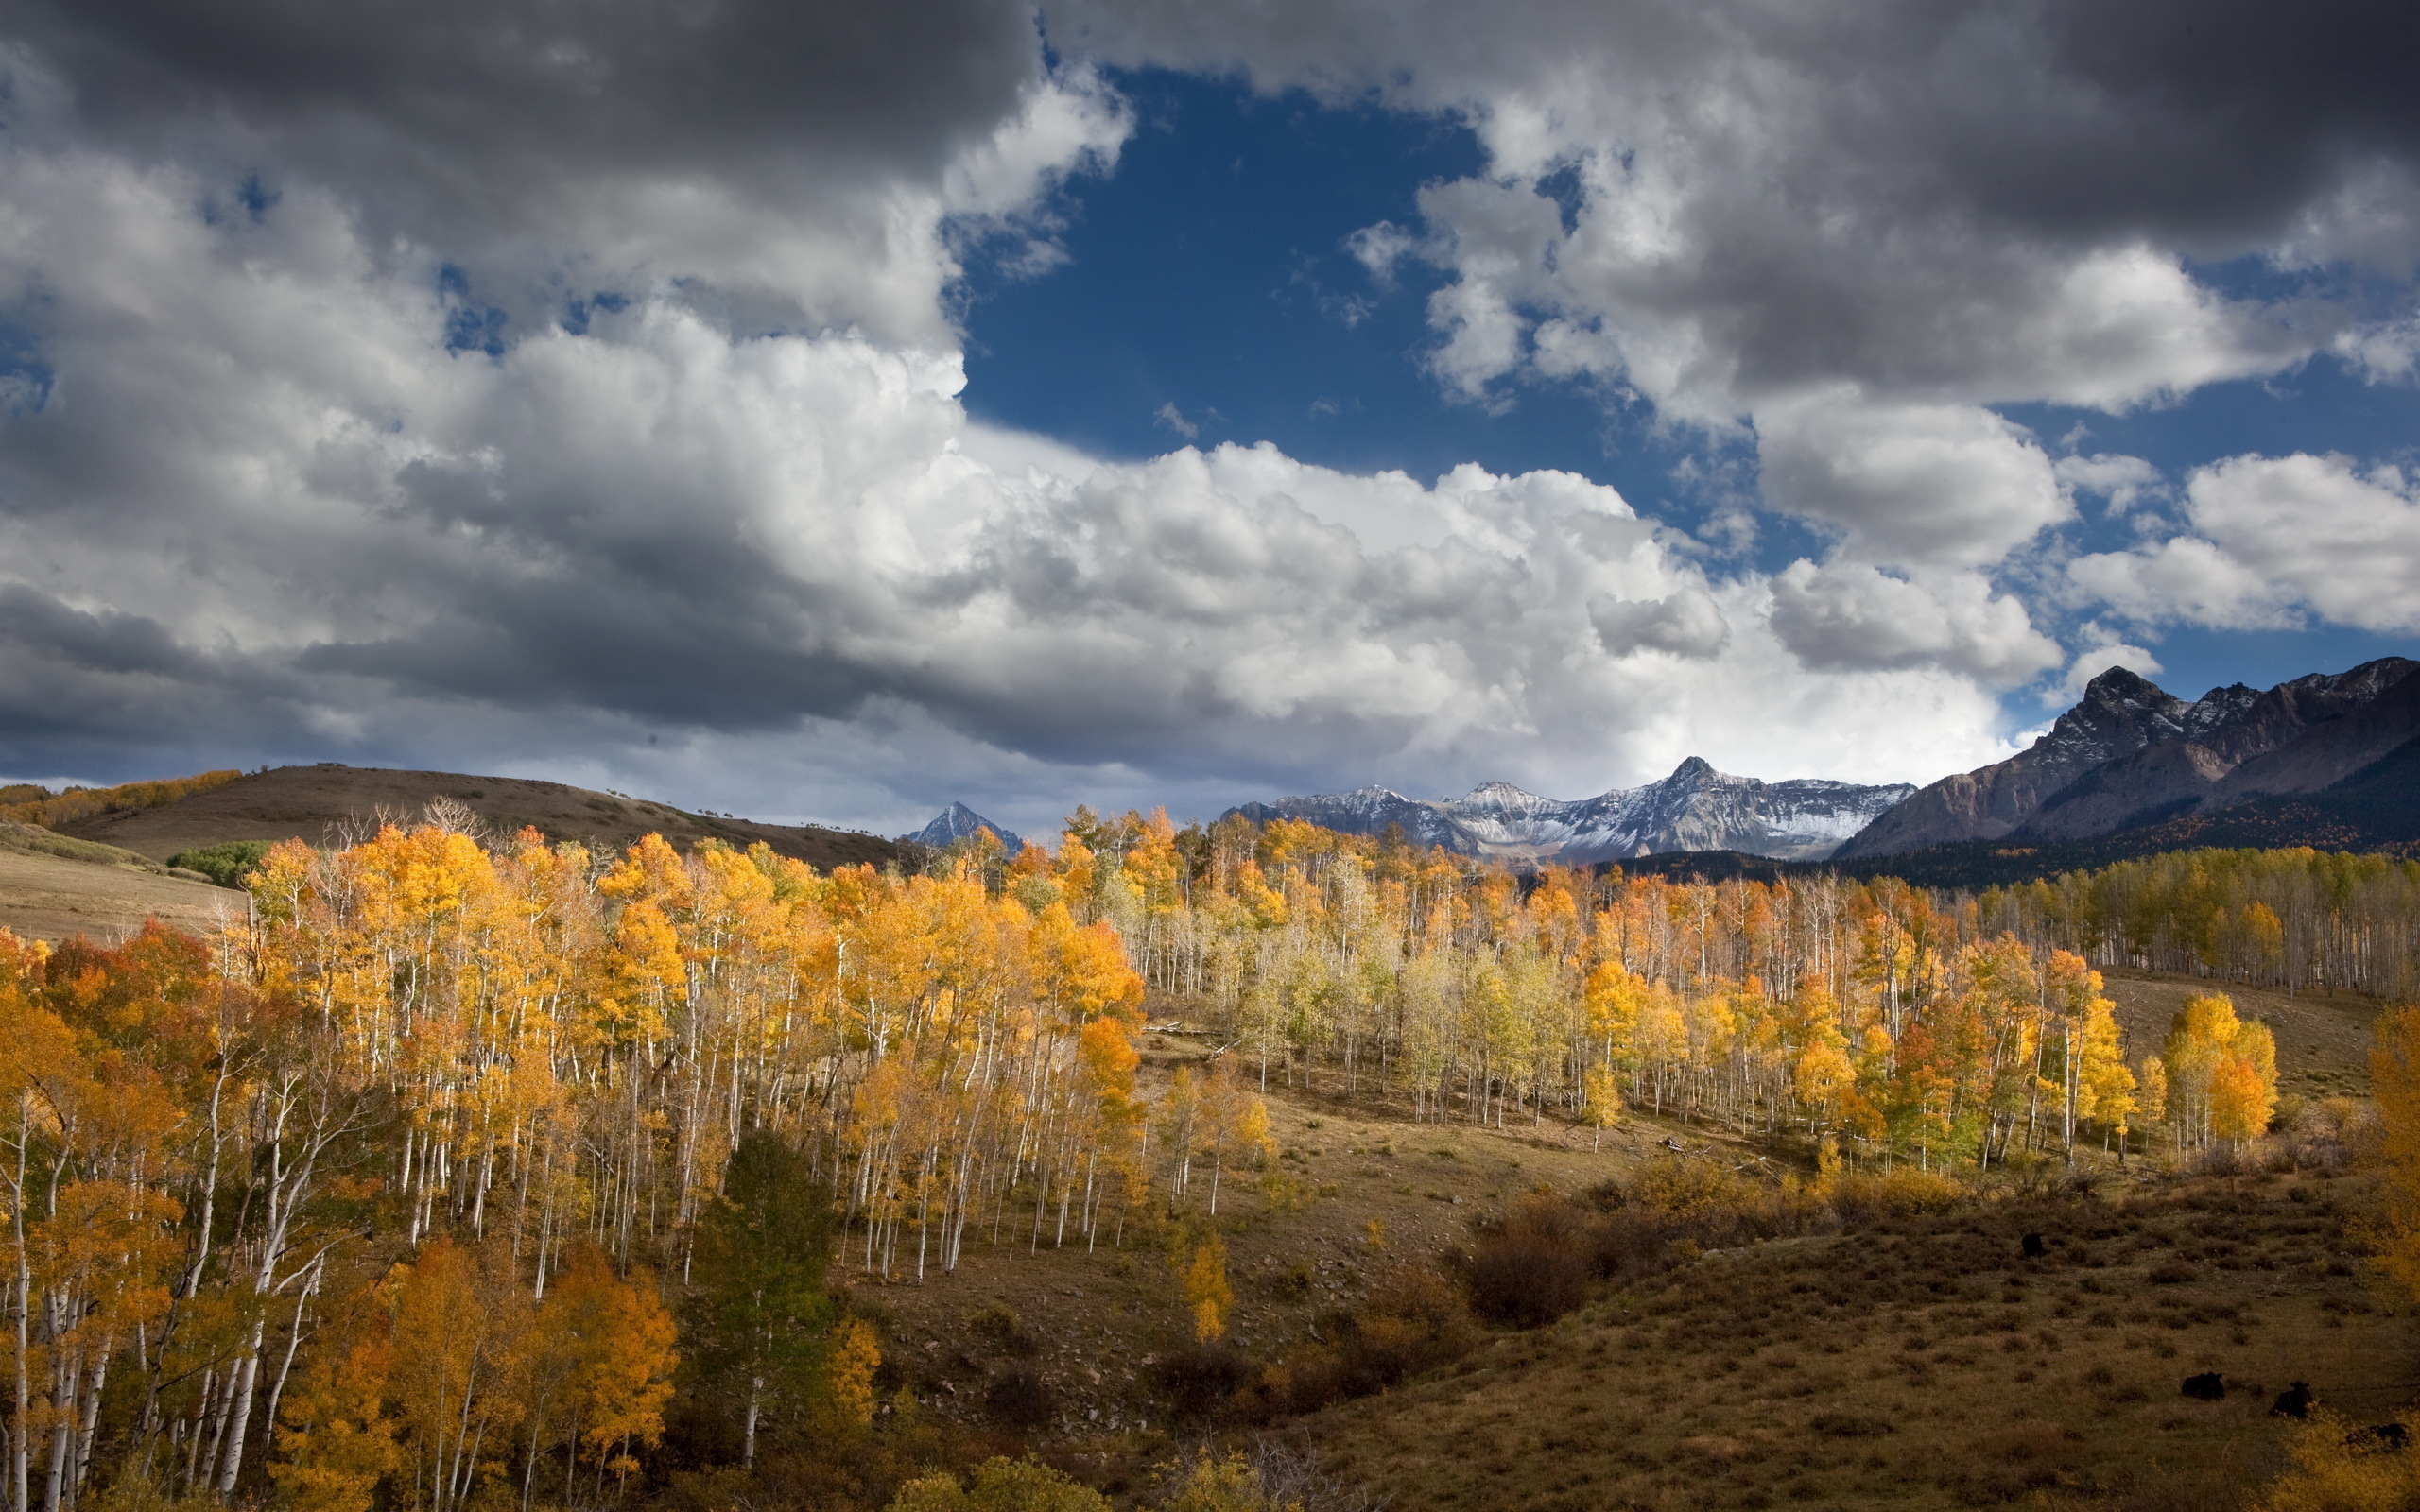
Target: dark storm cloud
point(486, 98)
point(2233, 113)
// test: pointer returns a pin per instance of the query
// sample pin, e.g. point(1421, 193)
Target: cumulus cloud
point(2273, 541)
point(1687, 623)
point(2120, 481)
point(1843, 615)
point(504, 384)
point(1935, 483)
point(1853, 228)
point(650, 525)
point(2105, 648)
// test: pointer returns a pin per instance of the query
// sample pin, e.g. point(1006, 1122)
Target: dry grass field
point(51, 888)
point(1915, 1361)
point(1920, 1364)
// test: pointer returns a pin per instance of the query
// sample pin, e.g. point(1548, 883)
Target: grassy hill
point(327, 804)
point(54, 885)
point(1915, 1360)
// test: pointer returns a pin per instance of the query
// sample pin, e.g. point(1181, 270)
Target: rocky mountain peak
point(958, 823)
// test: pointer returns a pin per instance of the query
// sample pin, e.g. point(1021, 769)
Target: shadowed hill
point(329, 805)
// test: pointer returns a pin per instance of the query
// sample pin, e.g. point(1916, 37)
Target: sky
point(825, 412)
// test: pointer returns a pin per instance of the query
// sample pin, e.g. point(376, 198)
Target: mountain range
point(2130, 756)
point(2330, 760)
point(1696, 808)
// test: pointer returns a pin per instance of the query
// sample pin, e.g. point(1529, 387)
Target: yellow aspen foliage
point(335, 1441)
point(1000, 1486)
point(1605, 1094)
point(613, 1343)
point(460, 1331)
point(1208, 1295)
point(856, 1354)
point(2241, 1099)
point(2221, 1071)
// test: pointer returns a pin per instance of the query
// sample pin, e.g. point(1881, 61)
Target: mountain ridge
point(2130, 755)
point(1696, 808)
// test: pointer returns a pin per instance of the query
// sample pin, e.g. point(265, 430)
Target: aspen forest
point(431, 1178)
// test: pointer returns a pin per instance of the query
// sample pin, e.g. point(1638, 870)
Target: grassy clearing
point(1914, 1361)
point(1920, 1362)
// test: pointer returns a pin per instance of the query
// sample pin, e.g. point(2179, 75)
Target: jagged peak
point(2120, 685)
point(1498, 793)
point(1695, 769)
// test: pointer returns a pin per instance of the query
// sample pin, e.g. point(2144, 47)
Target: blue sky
point(1213, 273)
point(829, 412)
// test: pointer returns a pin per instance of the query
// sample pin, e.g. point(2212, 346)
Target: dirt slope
point(328, 803)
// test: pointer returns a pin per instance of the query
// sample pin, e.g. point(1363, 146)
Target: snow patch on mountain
point(1697, 808)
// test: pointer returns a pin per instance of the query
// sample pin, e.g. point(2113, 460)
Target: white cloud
point(2121, 480)
point(736, 506)
point(2274, 539)
point(1845, 615)
point(750, 545)
point(2103, 648)
point(1910, 483)
point(1851, 227)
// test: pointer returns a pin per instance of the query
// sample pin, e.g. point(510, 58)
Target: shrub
point(1413, 1321)
point(998, 1327)
point(1200, 1379)
point(1019, 1397)
point(1533, 1264)
point(1903, 1192)
point(227, 863)
point(1000, 1486)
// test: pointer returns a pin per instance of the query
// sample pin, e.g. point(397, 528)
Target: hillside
point(53, 886)
point(2130, 758)
point(1834, 1368)
point(325, 804)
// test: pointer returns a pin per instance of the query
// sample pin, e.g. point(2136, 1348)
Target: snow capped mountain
point(957, 822)
point(1697, 808)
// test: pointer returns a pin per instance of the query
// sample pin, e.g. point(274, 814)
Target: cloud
point(809, 165)
point(1850, 615)
point(1855, 227)
point(2103, 649)
point(2274, 539)
point(1688, 623)
point(1933, 483)
point(1173, 418)
point(510, 385)
point(361, 542)
point(2120, 480)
